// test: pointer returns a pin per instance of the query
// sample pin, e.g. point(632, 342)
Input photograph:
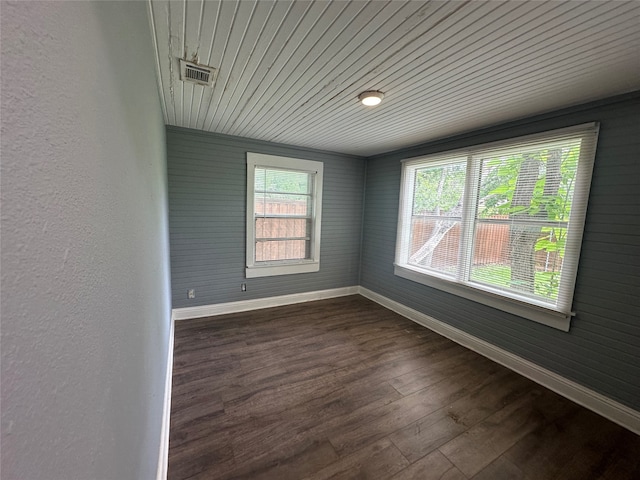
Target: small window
point(500, 223)
point(284, 203)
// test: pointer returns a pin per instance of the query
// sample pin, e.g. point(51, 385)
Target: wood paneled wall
point(602, 349)
point(207, 210)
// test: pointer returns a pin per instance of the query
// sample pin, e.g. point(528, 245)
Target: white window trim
point(284, 267)
point(525, 307)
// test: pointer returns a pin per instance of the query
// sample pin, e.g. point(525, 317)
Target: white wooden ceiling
point(291, 71)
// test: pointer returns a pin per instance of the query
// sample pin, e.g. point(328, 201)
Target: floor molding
point(258, 303)
point(598, 403)
point(163, 458)
point(602, 405)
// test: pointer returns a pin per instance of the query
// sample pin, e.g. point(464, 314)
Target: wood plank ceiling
point(291, 71)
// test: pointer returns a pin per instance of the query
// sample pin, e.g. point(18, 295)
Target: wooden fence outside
point(491, 246)
point(281, 228)
point(491, 243)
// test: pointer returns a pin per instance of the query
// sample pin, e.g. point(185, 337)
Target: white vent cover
point(198, 74)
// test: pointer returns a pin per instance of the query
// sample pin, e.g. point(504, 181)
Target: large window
point(500, 223)
point(284, 202)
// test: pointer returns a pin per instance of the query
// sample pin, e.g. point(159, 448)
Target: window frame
point(539, 311)
point(255, 269)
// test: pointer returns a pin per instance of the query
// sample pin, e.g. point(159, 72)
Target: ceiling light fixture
point(371, 98)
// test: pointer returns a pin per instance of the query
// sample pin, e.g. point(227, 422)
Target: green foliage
point(555, 240)
point(536, 185)
point(545, 284)
point(438, 190)
point(285, 181)
point(498, 185)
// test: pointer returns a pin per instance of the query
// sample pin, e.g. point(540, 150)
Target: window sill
point(535, 313)
point(274, 270)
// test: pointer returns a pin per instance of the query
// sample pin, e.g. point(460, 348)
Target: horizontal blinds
point(522, 216)
point(586, 132)
point(543, 185)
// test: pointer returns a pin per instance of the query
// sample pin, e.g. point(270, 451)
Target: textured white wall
point(85, 287)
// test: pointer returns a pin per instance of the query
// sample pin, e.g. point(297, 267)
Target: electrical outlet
point(191, 293)
point(243, 287)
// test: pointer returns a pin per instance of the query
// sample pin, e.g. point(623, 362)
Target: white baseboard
point(614, 411)
point(163, 458)
point(258, 303)
point(600, 404)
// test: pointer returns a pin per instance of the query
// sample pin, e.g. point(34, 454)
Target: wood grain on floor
point(346, 389)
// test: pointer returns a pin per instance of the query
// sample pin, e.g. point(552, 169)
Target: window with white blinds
point(284, 204)
point(500, 223)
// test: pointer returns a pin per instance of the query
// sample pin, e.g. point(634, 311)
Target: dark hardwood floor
point(344, 388)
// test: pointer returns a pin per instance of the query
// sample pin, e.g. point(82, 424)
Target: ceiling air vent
point(198, 74)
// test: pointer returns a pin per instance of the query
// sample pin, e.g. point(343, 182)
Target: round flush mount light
point(371, 98)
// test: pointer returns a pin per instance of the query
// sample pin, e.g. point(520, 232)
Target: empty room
point(320, 240)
